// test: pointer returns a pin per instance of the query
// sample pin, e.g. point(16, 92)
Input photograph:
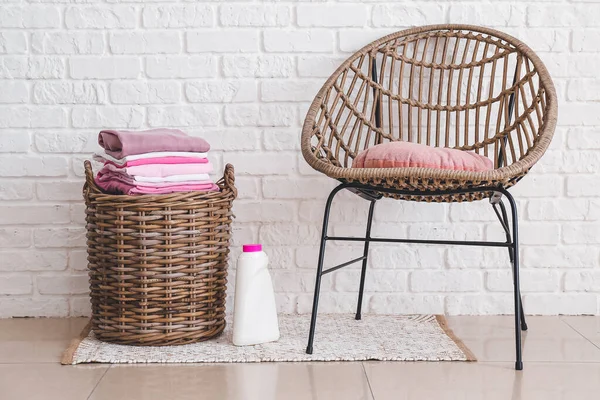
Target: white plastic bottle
point(255, 312)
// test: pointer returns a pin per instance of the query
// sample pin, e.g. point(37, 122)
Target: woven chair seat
point(457, 86)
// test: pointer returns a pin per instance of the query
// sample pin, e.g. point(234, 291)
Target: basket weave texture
point(458, 86)
point(158, 263)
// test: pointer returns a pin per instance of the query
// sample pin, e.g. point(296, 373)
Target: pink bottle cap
point(251, 248)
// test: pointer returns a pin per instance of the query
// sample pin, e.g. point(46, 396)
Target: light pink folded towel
point(162, 170)
point(115, 183)
point(119, 143)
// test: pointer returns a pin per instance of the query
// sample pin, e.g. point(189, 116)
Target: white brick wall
point(242, 73)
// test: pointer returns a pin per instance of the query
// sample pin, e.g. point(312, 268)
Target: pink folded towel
point(116, 183)
point(119, 144)
point(208, 187)
point(162, 170)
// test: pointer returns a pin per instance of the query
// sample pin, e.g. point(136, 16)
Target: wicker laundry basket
point(158, 263)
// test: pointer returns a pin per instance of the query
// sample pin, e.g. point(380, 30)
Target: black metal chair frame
point(511, 243)
point(369, 193)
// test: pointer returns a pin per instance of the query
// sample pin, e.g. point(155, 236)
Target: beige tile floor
point(562, 361)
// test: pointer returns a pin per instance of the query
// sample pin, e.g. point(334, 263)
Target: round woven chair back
point(456, 86)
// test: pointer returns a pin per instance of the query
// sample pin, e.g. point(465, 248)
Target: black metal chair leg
point(512, 263)
point(517, 294)
point(523, 322)
point(313, 319)
point(364, 263)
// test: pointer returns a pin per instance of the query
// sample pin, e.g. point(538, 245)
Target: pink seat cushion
point(406, 154)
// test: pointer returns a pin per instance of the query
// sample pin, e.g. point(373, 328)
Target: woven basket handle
point(90, 184)
point(229, 178)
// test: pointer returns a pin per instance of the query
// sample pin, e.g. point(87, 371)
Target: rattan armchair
point(458, 86)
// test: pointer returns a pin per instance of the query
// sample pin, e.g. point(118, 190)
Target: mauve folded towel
point(116, 183)
point(117, 187)
point(123, 143)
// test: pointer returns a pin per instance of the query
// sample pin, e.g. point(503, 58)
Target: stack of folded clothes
point(154, 161)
